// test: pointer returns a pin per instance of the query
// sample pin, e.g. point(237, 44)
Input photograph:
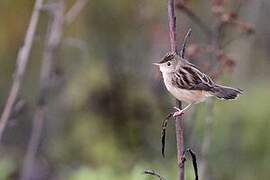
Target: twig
point(22, 61)
point(183, 50)
point(194, 163)
point(179, 126)
point(153, 173)
point(179, 122)
point(75, 10)
point(54, 36)
point(163, 133)
point(172, 25)
point(28, 164)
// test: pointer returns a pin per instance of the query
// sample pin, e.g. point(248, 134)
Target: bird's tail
point(223, 92)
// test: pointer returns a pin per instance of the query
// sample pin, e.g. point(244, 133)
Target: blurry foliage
point(107, 105)
point(7, 166)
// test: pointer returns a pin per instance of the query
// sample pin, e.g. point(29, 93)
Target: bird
point(187, 83)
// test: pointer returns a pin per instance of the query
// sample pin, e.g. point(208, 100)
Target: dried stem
point(54, 36)
point(194, 162)
point(154, 173)
point(163, 133)
point(179, 123)
point(32, 149)
point(183, 50)
point(22, 61)
point(179, 126)
point(172, 25)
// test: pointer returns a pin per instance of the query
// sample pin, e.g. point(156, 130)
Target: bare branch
point(179, 122)
point(74, 11)
point(32, 149)
point(22, 61)
point(194, 162)
point(179, 126)
point(172, 25)
point(163, 133)
point(183, 50)
point(153, 173)
point(54, 36)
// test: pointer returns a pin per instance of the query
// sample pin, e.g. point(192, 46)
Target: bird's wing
point(190, 78)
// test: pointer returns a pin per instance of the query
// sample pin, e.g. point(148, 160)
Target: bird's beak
point(156, 64)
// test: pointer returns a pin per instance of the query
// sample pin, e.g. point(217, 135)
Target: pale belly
point(188, 96)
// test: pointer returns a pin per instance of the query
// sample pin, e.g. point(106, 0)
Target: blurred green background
point(106, 107)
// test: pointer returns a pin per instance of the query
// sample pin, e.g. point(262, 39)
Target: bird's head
point(168, 63)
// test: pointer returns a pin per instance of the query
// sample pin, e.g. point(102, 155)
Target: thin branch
point(179, 126)
point(179, 122)
point(163, 133)
point(75, 10)
point(183, 50)
point(194, 162)
point(22, 61)
point(54, 36)
point(172, 25)
point(34, 142)
point(153, 173)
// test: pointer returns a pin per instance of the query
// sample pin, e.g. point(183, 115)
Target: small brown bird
point(187, 83)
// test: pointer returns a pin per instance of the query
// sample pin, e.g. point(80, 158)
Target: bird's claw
point(178, 112)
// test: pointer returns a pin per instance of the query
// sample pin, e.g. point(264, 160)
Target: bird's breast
point(189, 96)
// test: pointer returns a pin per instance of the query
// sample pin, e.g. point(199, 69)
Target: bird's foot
point(179, 112)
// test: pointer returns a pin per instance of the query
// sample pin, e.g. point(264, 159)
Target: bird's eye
point(168, 63)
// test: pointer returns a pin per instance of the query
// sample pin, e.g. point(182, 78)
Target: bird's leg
point(180, 112)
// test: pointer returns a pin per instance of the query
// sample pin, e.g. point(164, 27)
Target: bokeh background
point(107, 101)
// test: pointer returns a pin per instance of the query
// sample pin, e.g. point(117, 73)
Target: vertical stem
point(172, 25)
point(179, 126)
point(22, 61)
point(54, 36)
point(53, 40)
point(34, 142)
point(179, 123)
